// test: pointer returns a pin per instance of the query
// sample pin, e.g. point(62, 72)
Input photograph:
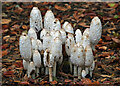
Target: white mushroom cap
point(34, 43)
point(57, 34)
point(25, 64)
point(36, 19)
point(49, 17)
point(48, 58)
point(32, 33)
point(39, 44)
point(95, 31)
point(47, 41)
point(78, 35)
point(56, 48)
point(68, 27)
point(52, 33)
point(77, 55)
point(88, 56)
point(56, 24)
point(86, 38)
point(37, 58)
point(31, 67)
point(84, 73)
point(43, 33)
point(63, 35)
point(25, 47)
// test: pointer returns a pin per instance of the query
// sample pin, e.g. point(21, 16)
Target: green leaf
point(116, 16)
point(112, 4)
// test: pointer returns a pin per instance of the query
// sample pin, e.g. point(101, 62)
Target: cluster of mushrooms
point(50, 40)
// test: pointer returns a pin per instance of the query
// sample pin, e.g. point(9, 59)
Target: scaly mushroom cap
point(56, 48)
point(68, 27)
point(32, 33)
point(57, 34)
point(49, 17)
point(43, 33)
point(47, 41)
point(36, 19)
point(31, 67)
point(56, 24)
point(86, 38)
point(95, 31)
point(37, 58)
point(39, 44)
point(48, 59)
point(78, 35)
point(63, 35)
point(88, 56)
point(69, 43)
point(34, 44)
point(52, 33)
point(25, 47)
point(25, 64)
point(77, 55)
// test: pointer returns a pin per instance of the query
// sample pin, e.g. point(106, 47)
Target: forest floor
point(15, 20)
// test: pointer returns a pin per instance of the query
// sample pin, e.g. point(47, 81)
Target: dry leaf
point(5, 52)
point(116, 40)
point(83, 24)
point(6, 21)
point(67, 81)
point(53, 82)
point(86, 81)
point(8, 73)
point(61, 8)
point(103, 48)
point(24, 83)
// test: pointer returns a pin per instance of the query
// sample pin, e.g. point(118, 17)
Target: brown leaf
point(83, 24)
point(5, 26)
point(18, 10)
point(67, 81)
point(116, 40)
point(103, 48)
point(54, 82)
point(8, 73)
point(86, 81)
point(95, 82)
point(24, 83)
point(107, 38)
point(6, 21)
point(4, 46)
point(24, 27)
point(43, 82)
point(5, 52)
point(62, 8)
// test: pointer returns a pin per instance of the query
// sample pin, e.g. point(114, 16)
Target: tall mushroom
point(49, 17)
point(37, 60)
point(36, 19)
point(78, 36)
point(95, 31)
point(56, 50)
point(48, 62)
point(32, 33)
point(56, 24)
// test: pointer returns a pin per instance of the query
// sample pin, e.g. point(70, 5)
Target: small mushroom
point(32, 33)
point(25, 47)
point(68, 27)
point(48, 62)
point(92, 68)
point(84, 73)
point(49, 17)
point(36, 19)
point(86, 38)
point(37, 60)
point(31, 67)
point(77, 58)
point(78, 36)
point(56, 50)
point(47, 41)
point(25, 64)
point(95, 31)
point(88, 58)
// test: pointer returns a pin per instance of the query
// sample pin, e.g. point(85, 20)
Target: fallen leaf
point(6, 21)
point(4, 46)
point(43, 82)
point(86, 81)
point(5, 52)
point(96, 82)
point(8, 73)
point(83, 24)
point(103, 48)
point(113, 5)
point(24, 27)
point(54, 82)
point(116, 40)
point(5, 26)
point(67, 81)
point(61, 8)
point(24, 83)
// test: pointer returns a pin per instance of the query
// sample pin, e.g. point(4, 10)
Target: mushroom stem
point(75, 70)
point(42, 70)
point(79, 72)
point(54, 69)
point(86, 69)
point(70, 66)
point(50, 74)
point(37, 71)
point(46, 71)
point(33, 76)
